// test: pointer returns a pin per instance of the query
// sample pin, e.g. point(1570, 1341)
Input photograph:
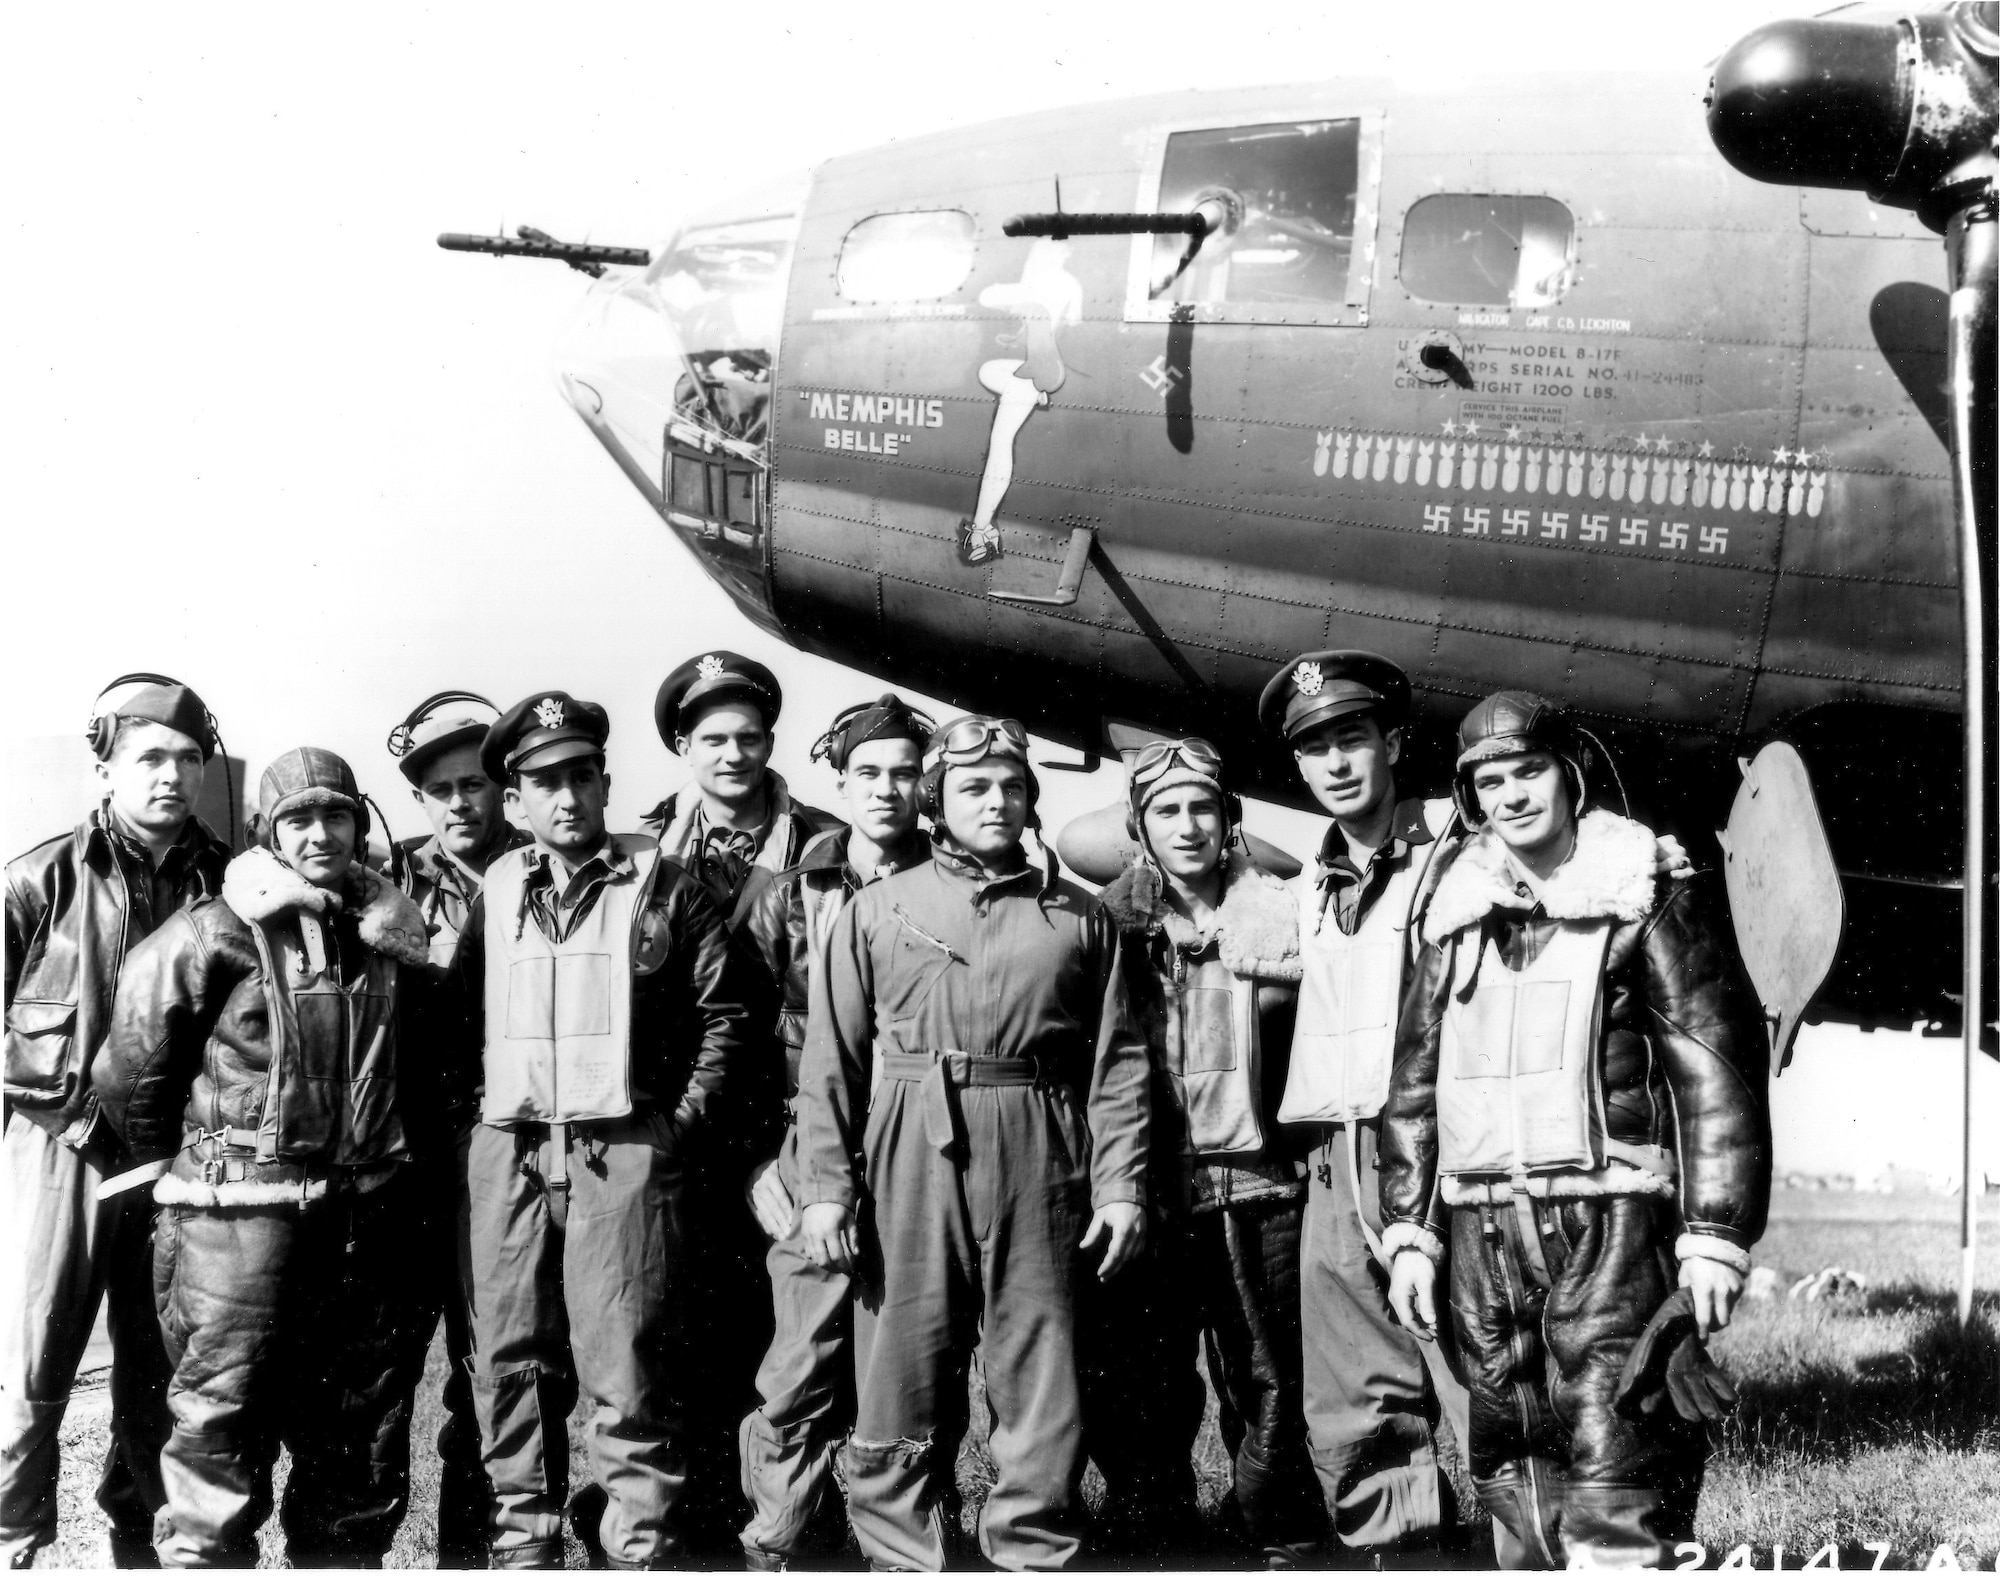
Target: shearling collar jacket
point(1210, 1095)
point(76, 906)
point(1682, 1052)
point(256, 1037)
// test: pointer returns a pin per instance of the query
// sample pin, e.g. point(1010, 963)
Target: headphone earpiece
point(102, 731)
point(400, 740)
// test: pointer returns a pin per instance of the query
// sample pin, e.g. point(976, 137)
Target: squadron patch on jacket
point(654, 940)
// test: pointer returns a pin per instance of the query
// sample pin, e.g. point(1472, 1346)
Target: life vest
point(1349, 995)
point(1214, 1050)
point(559, 1014)
point(330, 1095)
point(1519, 1086)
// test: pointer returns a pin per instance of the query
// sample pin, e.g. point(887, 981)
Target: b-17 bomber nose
point(672, 368)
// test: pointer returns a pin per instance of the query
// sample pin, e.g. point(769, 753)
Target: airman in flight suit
point(989, 997)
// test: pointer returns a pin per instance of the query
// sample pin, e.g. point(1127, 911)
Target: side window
point(906, 256)
point(1296, 245)
point(1486, 250)
point(717, 497)
point(740, 500)
point(689, 491)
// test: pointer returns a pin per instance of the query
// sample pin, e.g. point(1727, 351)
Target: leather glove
point(1669, 1362)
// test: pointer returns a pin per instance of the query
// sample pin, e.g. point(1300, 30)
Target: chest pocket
point(340, 1106)
point(1208, 1032)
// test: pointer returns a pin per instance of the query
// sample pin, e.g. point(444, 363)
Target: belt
point(942, 1072)
point(1522, 1189)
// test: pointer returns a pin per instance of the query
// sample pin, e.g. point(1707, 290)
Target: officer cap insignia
point(549, 713)
point(710, 667)
point(1308, 679)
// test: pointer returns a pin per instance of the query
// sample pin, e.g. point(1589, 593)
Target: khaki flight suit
point(1013, 1101)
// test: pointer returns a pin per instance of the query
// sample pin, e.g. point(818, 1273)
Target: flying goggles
point(971, 739)
point(1161, 756)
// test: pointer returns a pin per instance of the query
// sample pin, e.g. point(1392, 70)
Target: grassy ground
point(1869, 1418)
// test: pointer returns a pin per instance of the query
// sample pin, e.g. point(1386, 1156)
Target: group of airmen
point(749, 1129)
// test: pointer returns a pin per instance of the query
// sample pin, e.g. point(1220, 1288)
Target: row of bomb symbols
point(1659, 471)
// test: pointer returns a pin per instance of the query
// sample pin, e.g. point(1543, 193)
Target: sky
point(262, 434)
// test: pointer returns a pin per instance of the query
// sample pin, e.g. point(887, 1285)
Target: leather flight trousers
point(1224, 1281)
point(978, 1247)
point(1566, 1477)
point(806, 1383)
point(288, 1325)
point(1370, 1411)
point(63, 1252)
point(578, 1264)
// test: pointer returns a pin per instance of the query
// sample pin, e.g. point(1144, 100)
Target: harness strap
point(125, 1181)
point(1368, 1232)
point(1528, 1226)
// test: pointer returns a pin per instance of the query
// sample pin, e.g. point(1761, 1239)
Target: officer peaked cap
point(1320, 686)
point(710, 679)
point(546, 728)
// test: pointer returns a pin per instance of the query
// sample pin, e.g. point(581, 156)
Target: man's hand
point(1413, 1293)
point(770, 1203)
point(1123, 1228)
point(828, 1230)
point(1716, 1288)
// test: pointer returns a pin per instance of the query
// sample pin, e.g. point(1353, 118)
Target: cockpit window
point(722, 288)
point(906, 256)
point(1295, 242)
point(1483, 250)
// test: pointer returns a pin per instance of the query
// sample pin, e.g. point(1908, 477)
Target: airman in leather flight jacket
point(1682, 1048)
point(76, 905)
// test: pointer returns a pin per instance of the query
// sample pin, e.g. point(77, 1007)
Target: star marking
point(1741, 453)
point(1471, 427)
point(1781, 456)
point(1645, 444)
point(1514, 433)
point(1450, 428)
point(1706, 449)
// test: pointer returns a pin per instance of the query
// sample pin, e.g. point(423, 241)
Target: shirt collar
point(954, 862)
point(703, 831)
point(611, 859)
point(182, 850)
point(1407, 829)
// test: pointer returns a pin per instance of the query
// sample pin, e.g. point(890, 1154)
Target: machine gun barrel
point(584, 256)
point(1061, 226)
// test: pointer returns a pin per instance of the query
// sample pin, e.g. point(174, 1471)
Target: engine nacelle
point(1901, 107)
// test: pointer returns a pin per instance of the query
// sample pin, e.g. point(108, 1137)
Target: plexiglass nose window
point(722, 288)
point(1296, 200)
point(1483, 250)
